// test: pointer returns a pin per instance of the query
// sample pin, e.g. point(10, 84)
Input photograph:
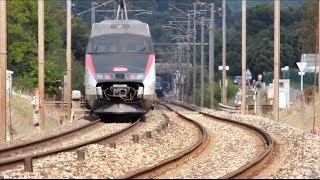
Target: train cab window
point(134, 47)
point(103, 48)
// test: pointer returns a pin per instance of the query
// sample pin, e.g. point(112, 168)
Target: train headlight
point(134, 76)
point(104, 76)
point(99, 76)
point(107, 76)
point(140, 76)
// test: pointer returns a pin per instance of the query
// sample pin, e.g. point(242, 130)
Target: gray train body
point(120, 68)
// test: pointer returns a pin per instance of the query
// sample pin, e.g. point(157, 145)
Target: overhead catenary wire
point(195, 19)
point(103, 4)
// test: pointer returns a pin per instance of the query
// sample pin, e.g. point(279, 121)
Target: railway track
point(29, 146)
point(60, 103)
point(156, 169)
point(262, 156)
point(230, 109)
point(237, 109)
point(161, 166)
point(25, 153)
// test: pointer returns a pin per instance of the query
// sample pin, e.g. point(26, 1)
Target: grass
point(21, 117)
point(300, 114)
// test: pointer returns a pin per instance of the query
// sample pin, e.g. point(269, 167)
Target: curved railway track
point(237, 109)
point(19, 149)
point(16, 155)
point(253, 165)
point(199, 143)
point(151, 170)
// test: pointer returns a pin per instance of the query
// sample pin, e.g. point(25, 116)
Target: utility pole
point(315, 74)
point(202, 63)
point(188, 62)
point(211, 56)
point(3, 63)
point(41, 72)
point(318, 49)
point(178, 74)
point(244, 57)
point(224, 89)
point(194, 94)
point(68, 58)
point(276, 59)
point(183, 60)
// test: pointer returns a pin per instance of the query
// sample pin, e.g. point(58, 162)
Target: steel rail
point(8, 151)
point(14, 162)
point(266, 137)
point(237, 109)
point(147, 169)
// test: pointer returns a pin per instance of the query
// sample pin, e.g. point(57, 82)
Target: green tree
point(23, 45)
point(308, 27)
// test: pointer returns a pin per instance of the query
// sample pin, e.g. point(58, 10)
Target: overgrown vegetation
point(21, 117)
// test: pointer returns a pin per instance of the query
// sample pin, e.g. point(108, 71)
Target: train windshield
point(117, 43)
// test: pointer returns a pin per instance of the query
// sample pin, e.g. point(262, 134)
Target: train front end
point(120, 68)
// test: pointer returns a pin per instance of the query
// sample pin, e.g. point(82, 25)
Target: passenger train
point(120, 70)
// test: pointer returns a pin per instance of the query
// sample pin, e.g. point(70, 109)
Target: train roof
point(120, 27)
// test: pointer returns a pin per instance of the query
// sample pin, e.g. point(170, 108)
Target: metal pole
point(276, 59)
point(301, 82)
point(93, 13)
point(194, 94)
point(9, 105)
point(115, 9)
point(183, 60)
point(244, 57)
point(211, 56)
point(202, 63)
point(68, 57)
point(41, 62)
point(255, 101)
point(224, 89)
point(179, 73)
point(3, 62)
point(188, 62)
